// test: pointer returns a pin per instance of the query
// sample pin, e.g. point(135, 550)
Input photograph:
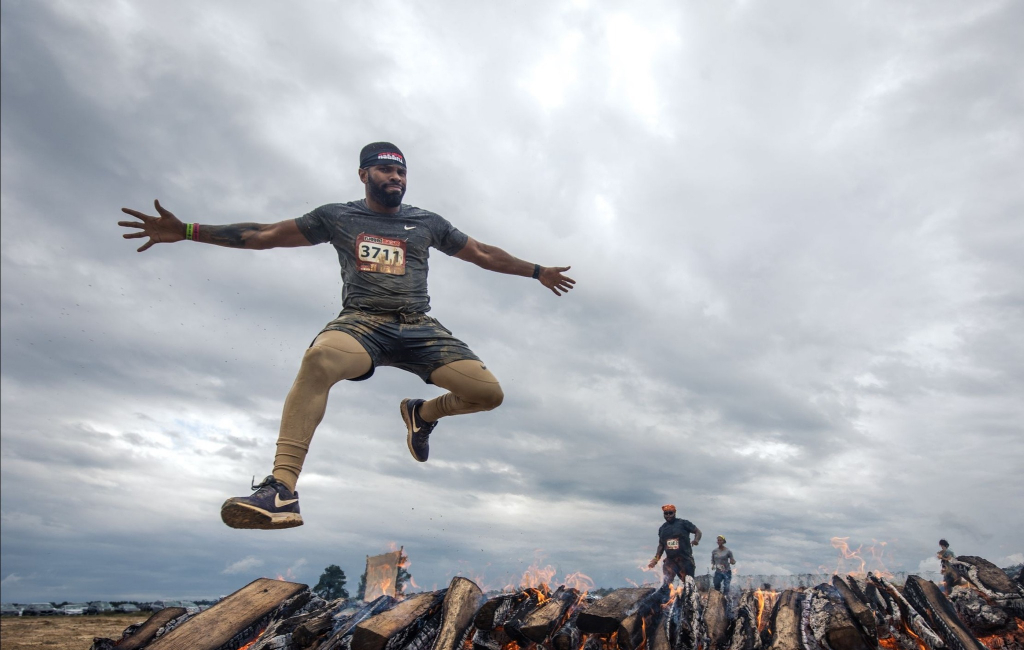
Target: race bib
point(380, 254)
point(672, 544)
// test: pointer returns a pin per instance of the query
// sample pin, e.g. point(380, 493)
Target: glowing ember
point(765, 601)
point(254, 640)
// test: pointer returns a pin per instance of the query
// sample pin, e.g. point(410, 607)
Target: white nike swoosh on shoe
point(278, 503)
point(409, 227)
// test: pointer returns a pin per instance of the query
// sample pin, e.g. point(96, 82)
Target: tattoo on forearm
point(233, 235)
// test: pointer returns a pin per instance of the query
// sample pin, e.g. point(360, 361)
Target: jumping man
point(383, 246)
point(674, 542)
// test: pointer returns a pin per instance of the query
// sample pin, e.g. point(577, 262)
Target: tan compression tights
point(335, 356)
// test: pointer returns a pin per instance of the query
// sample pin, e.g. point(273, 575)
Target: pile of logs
point(856, 612)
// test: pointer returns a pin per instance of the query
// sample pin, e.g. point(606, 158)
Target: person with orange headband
point(674, 542)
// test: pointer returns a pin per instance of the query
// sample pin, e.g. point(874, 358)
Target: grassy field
point(62, 632)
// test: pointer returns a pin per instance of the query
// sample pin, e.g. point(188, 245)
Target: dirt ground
point(62, 632)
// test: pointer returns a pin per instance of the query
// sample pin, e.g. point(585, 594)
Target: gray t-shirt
point(383, 256)
point(720, 559)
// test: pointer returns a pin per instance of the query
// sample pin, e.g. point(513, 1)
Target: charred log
point(716, 617)
point(784, 626)
point(313, 625)
point(929, 601)
point(513, 625)
point(829, 621)
point(978, 615)
point(993, 582)
point(569, 637)
point(550, 615)
point(460, 605)
point(496, 611)
point(857, 607)
point(394, 627)
point(606, 615)
point(693, 615)
point(232, 621)
point(903, 614)
point(145, 632)
point(344, 626)
point(744, 630)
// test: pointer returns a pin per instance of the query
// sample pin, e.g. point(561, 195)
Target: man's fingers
point(160, 209)
point(145, 246)
point(131, 224)
point(137, 214)
point(133, 235)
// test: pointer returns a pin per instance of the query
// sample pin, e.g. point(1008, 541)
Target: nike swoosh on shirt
point(409, 227)
point(278, 503)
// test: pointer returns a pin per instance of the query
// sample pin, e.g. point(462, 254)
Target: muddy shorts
point(680, 566)
point(416, 343)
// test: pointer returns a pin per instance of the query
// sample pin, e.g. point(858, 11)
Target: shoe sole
point(240, 515)
point(408, 430)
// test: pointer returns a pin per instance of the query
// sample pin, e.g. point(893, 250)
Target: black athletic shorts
point(413, 342)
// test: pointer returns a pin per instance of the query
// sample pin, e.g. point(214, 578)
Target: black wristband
point(536, 271)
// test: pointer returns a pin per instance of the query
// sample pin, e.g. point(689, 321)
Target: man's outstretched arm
point(167, 228)
point(495, 259)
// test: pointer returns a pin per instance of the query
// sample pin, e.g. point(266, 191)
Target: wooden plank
point(605, 615)
point(148, 630)
point(785, 622)
point(241, 610)
point(715, 617)
point(461, 603)
point(864, 617)
point(546, 619)
point(375, 632)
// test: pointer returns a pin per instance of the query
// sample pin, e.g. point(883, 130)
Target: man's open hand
point(552, 278)
point(164, 229)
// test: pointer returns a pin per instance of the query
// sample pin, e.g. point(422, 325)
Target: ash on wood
point(496, 611)
point(398, 623)
point(716, 617)
point(927, 599)
point(830, 622)
point(993, 582)
point(606, 615)
point(248, 608)
point(148, 630)
point(460, 605)
point(785, 621)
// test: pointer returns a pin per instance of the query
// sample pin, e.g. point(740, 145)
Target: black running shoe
point(418, 437)
point(271, 506)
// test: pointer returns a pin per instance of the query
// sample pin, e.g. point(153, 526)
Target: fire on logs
point(855, 612)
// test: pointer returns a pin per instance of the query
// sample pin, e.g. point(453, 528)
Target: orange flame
point(578, 581)
point(857, 560)
point(254, 640)
point(765, 601)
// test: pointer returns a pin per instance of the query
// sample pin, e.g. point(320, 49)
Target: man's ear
point(364, 175)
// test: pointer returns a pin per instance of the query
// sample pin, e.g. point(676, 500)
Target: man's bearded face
point(386, 189)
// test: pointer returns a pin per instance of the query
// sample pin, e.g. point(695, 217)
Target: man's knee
point(326, 364)
point(491, 398)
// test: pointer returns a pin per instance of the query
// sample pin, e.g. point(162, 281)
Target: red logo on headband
point(390, 155)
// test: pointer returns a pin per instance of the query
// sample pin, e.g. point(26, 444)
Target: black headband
point(381, 153)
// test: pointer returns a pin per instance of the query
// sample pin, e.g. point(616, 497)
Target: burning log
point(993, 582)
point(513, 626)
point(496, 611)
point(784, 625)
point(857, 606)
point(927, 599)
point(569, 637)
point(550, 615)
point(344, 626)
point(236, 619)
point(460, 605)
point(606, 615)
point(716, 617)
point(661, 630)
point(744, 631)
point(979, 616)
point(903, 614)
point(394, 627)
point(693, 615)
point(315, 625)
point(829, 621)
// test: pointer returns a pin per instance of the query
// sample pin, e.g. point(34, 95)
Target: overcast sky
point(796, 230)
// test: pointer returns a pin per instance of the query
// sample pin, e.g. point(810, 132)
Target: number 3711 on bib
point(380, 254)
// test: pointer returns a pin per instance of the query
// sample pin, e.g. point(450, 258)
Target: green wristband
point(188, 231)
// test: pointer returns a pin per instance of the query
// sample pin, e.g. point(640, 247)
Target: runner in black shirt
point(383, 247)
point(674, 542)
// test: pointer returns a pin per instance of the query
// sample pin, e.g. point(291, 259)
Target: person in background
point(722, 560)
point(946, 560)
